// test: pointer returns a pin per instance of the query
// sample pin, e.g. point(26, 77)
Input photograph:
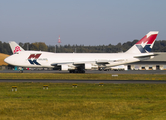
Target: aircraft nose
point(8, 60)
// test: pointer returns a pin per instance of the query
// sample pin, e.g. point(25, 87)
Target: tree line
point(159, 46)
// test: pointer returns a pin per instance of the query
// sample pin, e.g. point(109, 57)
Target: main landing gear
point(20, 71)
point(77, 71)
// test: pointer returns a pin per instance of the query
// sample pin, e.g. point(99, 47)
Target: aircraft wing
point(59, 64)
point(73, 63)
point(67, 63)
point(86, 62)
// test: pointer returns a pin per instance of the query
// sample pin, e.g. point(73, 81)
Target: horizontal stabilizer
point(145, 55)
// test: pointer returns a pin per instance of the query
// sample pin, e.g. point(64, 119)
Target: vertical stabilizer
point(145, 44)
point(15, 47)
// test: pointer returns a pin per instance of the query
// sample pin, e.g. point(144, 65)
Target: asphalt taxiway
point(92, 71)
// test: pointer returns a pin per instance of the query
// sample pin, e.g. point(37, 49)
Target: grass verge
point(87, 101)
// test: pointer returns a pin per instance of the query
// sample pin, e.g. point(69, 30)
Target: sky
point(81, 22)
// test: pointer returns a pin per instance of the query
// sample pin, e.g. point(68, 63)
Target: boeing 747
point(79, 62)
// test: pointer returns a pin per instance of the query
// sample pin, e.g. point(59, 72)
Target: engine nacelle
point(89, 66)
point(68, 67)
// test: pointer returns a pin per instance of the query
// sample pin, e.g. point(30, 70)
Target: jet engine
point(90, 66)
point(68, 67)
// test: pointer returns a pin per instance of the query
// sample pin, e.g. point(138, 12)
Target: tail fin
point(15, 47)
point(145, 44)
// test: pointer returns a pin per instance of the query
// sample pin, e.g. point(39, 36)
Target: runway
point(89, 81)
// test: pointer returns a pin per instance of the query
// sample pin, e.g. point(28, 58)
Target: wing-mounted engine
point(64, 67)
point(73, 68)
point(68, 67)
point(91, 66)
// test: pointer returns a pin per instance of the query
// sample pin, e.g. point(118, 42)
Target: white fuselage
point(46, 59)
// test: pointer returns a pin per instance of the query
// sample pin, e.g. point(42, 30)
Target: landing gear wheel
point(101, 69)
point(83, 71)
point(77, 71)
point(71, 71)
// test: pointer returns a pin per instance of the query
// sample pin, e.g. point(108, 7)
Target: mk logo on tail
point(33, 59)
point(144, 45)
point(145, 49)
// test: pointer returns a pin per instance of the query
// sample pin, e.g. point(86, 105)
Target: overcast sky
point(81, 22)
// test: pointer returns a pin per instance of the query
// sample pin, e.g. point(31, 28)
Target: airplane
point(79, 62)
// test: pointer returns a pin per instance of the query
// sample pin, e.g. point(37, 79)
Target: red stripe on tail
point(149, 39)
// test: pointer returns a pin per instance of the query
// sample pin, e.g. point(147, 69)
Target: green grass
point(68, 76)
point(86, 102)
